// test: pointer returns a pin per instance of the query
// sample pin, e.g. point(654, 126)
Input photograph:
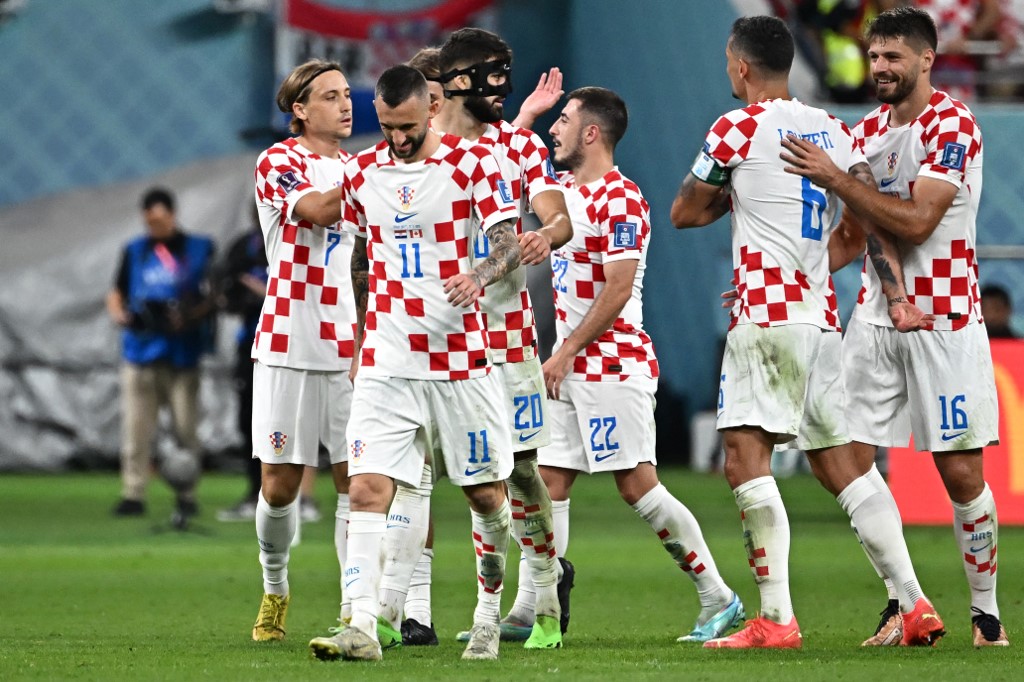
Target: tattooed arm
point(699, 203)
point(465, 288)
point(360, 268)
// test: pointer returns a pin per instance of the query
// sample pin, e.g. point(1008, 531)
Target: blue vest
point(155, 283)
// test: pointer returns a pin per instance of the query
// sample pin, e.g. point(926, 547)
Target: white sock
point(341, 549)
point(362, 570)
point(406, 534)
point(275, 528)
point(881, 536)
point(533, 529)
point(490, 538)
point(875, 476)
point(417, 603)
point(977, 532)
point(560, 519)
point(681, 537)
point(766, 535)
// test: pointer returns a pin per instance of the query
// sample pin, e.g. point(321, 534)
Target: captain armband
point(706, 169)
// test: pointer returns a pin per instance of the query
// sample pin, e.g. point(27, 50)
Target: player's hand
point(545, 95)
point(729, 298)
point(463, 290)
point(809, 160)
point(907, 317)
point(534, 248)
point(354, 369)
point(555, 370)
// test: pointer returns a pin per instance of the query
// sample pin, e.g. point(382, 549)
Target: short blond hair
point(298, 86)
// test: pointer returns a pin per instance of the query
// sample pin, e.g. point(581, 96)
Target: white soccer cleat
point(483, 643)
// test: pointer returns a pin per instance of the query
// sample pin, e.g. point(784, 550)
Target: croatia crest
point(405, 195)
point(277, 441)
point(891, 161)
point(357, 449)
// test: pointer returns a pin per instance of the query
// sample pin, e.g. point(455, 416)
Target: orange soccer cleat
point(922, 626)
point(761, 633)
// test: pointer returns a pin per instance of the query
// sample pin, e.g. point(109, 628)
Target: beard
point(571, 159)
point(482, 110)
point(901, 89)
point(415, 142)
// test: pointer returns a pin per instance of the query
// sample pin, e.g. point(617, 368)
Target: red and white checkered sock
point(341, 513)
point(275, 528)
point(490, 539)
point(362, 570)
point(681, 537)
point(977, 532)
point(881, 535)
point(766, 536)
point(533, 529)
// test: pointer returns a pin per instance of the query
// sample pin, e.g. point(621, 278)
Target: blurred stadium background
point(103, 98)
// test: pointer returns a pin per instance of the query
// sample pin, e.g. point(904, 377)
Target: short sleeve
point(493, 200)
point(281, 180)
point(952, 142)
point(627, 226)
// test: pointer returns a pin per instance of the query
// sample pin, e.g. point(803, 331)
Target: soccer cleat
point(483, 643)
point(987, 629)
point(890, 629)
point(269, 625)
point(546, 634)
point(309, 510)
point(415, 633)
point(565, 585)
point(349, 643)
point(761, 633)
point(184, 512)
point(128, 507)
point(389, 637)
point(922, 626)
point(511, 631)
point(243, 511)
point(731, 615)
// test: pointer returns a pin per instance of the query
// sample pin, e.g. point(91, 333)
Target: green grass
point(85, 596)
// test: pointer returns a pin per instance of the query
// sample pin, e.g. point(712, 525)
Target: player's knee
point(485, 498)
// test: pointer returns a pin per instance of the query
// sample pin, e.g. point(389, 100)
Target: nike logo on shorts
point(953, 436)
point(523, 437)
point(473, 472)
point(601, 458)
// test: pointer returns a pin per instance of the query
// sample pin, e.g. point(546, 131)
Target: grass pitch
point(84, 596)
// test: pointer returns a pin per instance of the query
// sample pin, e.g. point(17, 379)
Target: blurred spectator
point(160, 298)
point(959, 21)
point(997, 311)
point(241, 287)
point(1006, 70)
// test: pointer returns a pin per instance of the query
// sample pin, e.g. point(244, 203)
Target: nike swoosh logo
point(953, 436)
point(601, 458)
point(350, 582)
point(885, 183)
point(975, 550)
point(396, 525)
point(403, 218)
point(523, 437)
point(474, 472)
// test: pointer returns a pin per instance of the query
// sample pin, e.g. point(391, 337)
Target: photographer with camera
point(161, 300)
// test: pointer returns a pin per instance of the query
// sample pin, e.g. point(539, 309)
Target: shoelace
point(891, 609)
point(987, 623)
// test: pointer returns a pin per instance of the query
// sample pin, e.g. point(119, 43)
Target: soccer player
point(781, 375)
point(305, 340)
point(425, 381)
point(603, 373)
point(925, 150)
point(475, 68)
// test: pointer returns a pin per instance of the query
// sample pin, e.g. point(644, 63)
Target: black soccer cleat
point(128, 507)
point(564, 587)
point(987, 630)
point(415, 633)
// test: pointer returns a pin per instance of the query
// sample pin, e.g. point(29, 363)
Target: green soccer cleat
point(389, 637)
point(546, 634)
point(720, 623)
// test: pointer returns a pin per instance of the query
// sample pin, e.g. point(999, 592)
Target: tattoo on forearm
point(505, 254)
point(360, 270)
point(862, 172)
point(883, 267)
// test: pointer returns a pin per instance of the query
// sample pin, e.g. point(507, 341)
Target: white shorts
point(294, 411)
point(462, 425)
point(527, 403)
point(940, 385)
point(786, 380)
point(602, 426)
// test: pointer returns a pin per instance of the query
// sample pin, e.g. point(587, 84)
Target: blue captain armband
point(706, 169)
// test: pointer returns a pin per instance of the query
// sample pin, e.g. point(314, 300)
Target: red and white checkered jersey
point(419, 220)
point(781, 222)
point(611, 222)
point(308, 319)
point(527, 172)
point(944, 142)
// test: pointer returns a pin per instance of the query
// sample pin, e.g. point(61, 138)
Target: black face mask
point(478, 79)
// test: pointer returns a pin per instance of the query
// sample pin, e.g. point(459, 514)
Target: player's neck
point(325, 146)
point(763, 90)
point(594, 167)
point(455, 119)
point(430, 144)
point(902, 113)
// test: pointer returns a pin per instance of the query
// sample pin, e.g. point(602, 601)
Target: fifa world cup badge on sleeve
point(705, 168)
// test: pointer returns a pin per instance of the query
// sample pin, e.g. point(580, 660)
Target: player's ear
point(299, 111)
point(434, 108)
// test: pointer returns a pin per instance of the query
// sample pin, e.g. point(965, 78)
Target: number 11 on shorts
point(481, 437)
